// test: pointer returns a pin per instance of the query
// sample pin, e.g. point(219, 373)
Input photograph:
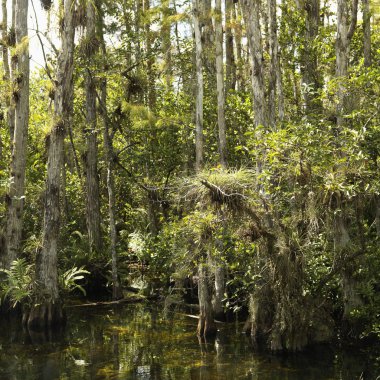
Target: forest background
point(237, 141)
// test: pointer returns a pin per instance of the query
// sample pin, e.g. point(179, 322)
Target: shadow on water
point(139, 342)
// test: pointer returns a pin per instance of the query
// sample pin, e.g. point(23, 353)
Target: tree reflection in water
point(140, 342)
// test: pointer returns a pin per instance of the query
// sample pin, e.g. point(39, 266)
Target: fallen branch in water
point(197, 317)
point(106, 303)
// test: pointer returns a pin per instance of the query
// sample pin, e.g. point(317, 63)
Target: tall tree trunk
point(205, 318)
point(13, 72)
point(207, 29)
point(91, 156)
point(251, 13)
point(109, 155)
point(16, 195)
point(238, 42)
point(116, 288)
point(345, 32)
point(166, 44)
point(220, 84)
point(47, 309)
point(275, 83)
point(150, 60)
point(309, 58)
point(351, 297)
point(346, 24)
point(7, 72)
point(198, 89)
point(367, 33)
point(230, 56)
point(137, 27)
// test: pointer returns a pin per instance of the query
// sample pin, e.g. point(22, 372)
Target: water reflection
point(138, 342)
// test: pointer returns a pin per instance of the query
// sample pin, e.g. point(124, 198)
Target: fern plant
point(18, 284)
point(68, 280)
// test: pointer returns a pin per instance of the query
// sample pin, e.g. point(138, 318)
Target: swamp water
point(140, 342)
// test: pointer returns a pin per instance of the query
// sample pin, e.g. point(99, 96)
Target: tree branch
point(354, 19)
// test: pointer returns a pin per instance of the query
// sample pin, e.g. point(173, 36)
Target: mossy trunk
point(6, 78)
point(280, 314)
point(206, 325)
point(47, 308)
point(16, 195)
point(253, 308)
point(351, 296)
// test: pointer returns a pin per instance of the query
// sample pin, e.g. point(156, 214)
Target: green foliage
point(270, 219)
point(17, 286)
point(70, 280)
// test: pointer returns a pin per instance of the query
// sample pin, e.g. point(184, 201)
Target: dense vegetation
point(234, 145)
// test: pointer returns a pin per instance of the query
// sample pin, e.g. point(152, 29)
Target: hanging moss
point(135, 85)
point(46, 4)
point(89, 46)
point(10, 39)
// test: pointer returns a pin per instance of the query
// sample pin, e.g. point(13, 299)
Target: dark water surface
point(141, 342)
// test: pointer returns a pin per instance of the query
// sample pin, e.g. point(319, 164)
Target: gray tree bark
point(47, 310)
point(309, 58)
point(91, 155)
point(346, 25)
point(230, 56)
point(220, 281)
point(7, 72)
point(206, 324)
point(237, 31)
point(108, 135)
point(345, 32)
point(367, 33)
point(152, 96)
point(208, 34)
point(275, 81)
point(220, 84)
point(137, 27)
point(166, 43)
point(251, 14)
point(16, 195)
point(198, 89)
point(13, 71)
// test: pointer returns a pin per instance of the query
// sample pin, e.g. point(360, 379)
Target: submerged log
point(134, 299)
